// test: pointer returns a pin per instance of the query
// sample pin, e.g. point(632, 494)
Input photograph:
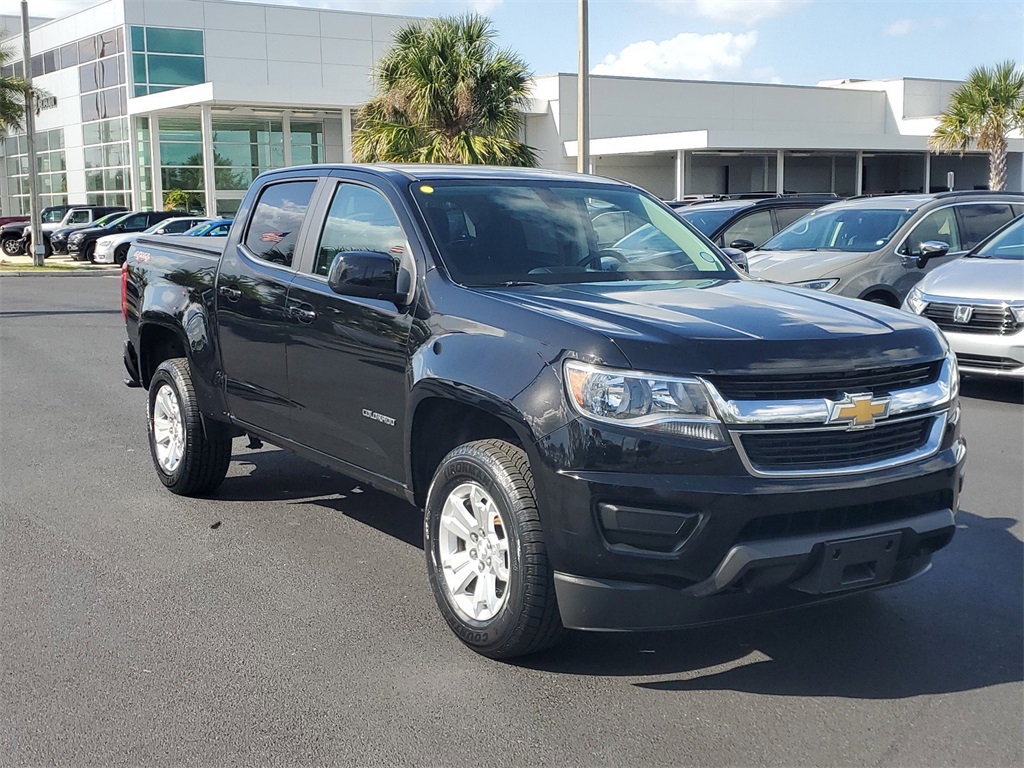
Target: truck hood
point(991, 279)
point(797, 266)
point(736, 326)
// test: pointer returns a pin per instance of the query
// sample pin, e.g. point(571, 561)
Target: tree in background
point(982, 112)
point(12, 94)
point(446, 94)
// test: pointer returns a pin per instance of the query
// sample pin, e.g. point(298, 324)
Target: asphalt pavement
point(288, 620)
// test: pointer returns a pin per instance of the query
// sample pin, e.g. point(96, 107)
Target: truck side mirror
point(366, 274)
point(742, 245)
point(737, 257)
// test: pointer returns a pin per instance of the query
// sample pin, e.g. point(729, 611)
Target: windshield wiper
point(516, 283)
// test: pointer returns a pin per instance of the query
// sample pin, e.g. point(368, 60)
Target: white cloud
point(685, 56)
point(901, 27)
point(747, 12)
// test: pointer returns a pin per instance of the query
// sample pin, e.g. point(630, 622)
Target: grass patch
point(48, 268)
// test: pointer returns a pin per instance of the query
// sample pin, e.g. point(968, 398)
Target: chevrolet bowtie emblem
point(859, 411)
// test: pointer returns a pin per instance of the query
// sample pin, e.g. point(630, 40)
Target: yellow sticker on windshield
point(426, 189)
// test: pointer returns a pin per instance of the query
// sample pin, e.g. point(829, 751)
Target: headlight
point(674, 406)
point(954, 375)
point(105, 241)
point(1018, 313)
point(818, 285)
point(915, 301)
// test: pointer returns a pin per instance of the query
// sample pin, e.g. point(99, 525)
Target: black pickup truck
point(600, 439)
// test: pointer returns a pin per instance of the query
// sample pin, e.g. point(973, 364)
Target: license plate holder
point(855, 563)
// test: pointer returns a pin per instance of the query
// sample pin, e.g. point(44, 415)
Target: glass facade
point(107, 175)
point(163, 59)
point(102, 77)
point(71, 55)
point(181, 162)
point(50, 163)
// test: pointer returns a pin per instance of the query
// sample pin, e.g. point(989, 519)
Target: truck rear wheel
point(486, 559)
point(189, 459)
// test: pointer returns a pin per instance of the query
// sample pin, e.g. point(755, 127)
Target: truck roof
point(425, 172)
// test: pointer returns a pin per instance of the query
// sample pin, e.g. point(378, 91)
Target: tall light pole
point(583, 95)
point(38, 248)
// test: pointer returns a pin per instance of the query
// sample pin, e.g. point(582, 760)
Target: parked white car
point(113, 249)
point(978, 302)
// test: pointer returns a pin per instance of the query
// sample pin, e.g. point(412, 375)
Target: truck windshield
point(845, 229)
point(540, 232)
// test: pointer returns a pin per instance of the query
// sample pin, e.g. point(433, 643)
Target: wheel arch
point(881, 291)
point(444, 416)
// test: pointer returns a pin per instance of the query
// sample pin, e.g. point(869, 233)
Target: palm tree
point(446, 94)
point(12, 94)
point(982, 111)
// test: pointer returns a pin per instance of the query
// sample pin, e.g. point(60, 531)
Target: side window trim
point(901, 248)
point(964, 227)
point(244, 250)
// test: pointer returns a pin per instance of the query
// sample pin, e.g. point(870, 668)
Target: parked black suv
point(82, 242)
point(745, 223)
point(12, 236)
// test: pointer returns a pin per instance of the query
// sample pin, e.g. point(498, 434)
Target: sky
point(798, 42)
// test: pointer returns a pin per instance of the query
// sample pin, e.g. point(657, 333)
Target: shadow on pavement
point(41, 313)
point(997, 390)
point(958, 627)
point(277, 475)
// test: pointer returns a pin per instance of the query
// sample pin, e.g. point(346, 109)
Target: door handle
point(302, 314)
point(230, 292)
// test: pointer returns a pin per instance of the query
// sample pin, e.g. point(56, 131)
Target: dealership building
point(149, 96)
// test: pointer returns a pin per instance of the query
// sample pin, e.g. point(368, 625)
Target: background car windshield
point(1008, 244)
point(846, 229)
point(707, 220)
point(544, 232)
point(53, 216)
point(103, 221)
point(117, 219)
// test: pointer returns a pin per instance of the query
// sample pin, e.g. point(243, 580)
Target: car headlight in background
point(915, 301)
point(1018, 312)
point(819, 285)
point(104, 241)
point(675, 406)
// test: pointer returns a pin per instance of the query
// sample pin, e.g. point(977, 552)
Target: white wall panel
point(294, 48)
point(239, 45)
point(301, 76)
point(292, 21)
point(187, 14)
point(234, 16)
point(250, 71)
point(348, 26)
point(349, 52)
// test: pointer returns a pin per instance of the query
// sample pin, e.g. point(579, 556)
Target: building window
point(50, 165)
point(107, 176)
point(101, 76)
point(163, 59)
point(181, 162)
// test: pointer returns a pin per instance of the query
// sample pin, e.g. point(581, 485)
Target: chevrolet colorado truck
point(599, 440)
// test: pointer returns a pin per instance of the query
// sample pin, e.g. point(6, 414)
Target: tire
point(189, 459)
point(88, 251)
point(12, 246)
point(881, 298)
point(121, 254)
point(494, 478)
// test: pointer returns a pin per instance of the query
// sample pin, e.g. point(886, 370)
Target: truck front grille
point(825, 449)
point(832, 385)
point(998, 320)
point(988, 363)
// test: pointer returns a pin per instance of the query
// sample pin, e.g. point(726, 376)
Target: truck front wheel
point(486, 559)
point(189, 459)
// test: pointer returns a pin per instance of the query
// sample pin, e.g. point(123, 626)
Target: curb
point(102, 272)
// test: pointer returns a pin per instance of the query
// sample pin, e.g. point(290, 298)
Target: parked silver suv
point(877, 248)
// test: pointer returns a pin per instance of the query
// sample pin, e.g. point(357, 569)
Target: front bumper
point(651, 536)
point(103, 253)
point(985, 354)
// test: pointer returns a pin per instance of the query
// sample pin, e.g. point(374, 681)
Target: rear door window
point(277, 219)
point(139, 222)
point(755, 228)
point(786, 216)
point(979, 221)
